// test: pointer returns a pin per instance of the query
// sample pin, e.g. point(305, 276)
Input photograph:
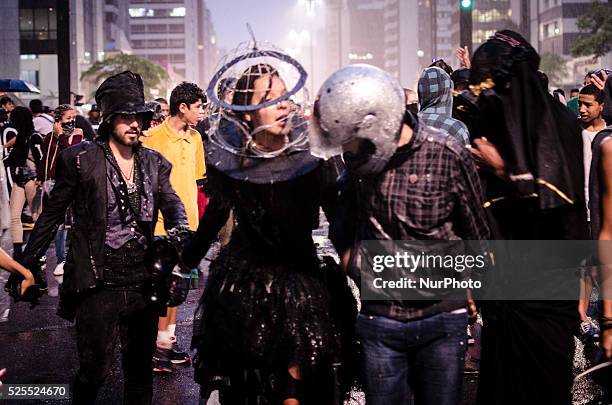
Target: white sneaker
point(59, 269)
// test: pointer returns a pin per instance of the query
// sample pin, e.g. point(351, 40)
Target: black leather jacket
point(81, 182)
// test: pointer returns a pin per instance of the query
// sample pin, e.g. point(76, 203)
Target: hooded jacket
point(436, 101)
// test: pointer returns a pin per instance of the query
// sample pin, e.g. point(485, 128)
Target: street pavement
point(38, 347)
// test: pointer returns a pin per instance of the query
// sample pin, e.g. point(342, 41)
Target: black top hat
point(122, 93)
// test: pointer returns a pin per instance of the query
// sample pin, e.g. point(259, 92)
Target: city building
point(401, 51)
point(168, 32)
point(10, 34)
point(366, 32)
point(490, 16)
point(29, 33)
point(554, 30)
point(445, 28)
point(87, 44)
point(30, 39)
point(439, 25)
point(208, 53)
point(426, 32)
point(117, 26)
point(336, 34)
point(160, 30)
point(376, 32)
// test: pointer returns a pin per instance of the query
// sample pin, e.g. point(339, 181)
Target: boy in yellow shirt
point(182, 145)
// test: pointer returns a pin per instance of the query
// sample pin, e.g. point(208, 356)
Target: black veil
point(538, 138)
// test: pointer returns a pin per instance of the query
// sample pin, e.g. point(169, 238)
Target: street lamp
point(299, 40)
point(310, 6)
point(299, 37)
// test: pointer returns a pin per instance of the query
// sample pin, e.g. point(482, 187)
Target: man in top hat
point(115, 187)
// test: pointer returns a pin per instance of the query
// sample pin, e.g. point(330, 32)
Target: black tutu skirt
point(254, 315)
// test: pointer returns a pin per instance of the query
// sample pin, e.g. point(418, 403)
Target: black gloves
point(170, 279)
point(179, 237)
point(31, 295)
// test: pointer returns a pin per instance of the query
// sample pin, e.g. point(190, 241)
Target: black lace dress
point(270, 303)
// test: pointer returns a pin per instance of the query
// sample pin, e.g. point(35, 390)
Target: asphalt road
point(38, 347)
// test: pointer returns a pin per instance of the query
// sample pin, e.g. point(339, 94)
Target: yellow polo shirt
point(186, 153)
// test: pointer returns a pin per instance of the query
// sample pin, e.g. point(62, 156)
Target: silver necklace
point(129, 180)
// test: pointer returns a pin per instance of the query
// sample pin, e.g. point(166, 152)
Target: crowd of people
point(485, 152)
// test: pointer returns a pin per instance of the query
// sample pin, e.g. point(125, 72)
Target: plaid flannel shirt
point(430, 190)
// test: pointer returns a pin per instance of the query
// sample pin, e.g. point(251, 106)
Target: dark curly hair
point(6, 100)
point(592, 90)
point(60, 110)
point(187, 93)
point(36, 106)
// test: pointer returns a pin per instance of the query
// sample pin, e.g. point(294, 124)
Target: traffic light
point(465, 23)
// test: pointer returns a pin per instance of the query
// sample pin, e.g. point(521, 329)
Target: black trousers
point(527, 353)
point(102, 317)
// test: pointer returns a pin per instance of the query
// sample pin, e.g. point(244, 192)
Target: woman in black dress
point(267, 328)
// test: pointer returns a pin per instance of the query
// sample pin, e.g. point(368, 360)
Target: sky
point(271, 20)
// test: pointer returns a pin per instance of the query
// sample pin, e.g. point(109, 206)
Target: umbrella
point(17, 86)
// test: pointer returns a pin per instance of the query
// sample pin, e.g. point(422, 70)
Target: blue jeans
point(417, 362)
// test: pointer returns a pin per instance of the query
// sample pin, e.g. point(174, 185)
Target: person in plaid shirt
point(408, 182)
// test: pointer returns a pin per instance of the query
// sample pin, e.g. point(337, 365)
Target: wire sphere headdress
point(231, 97)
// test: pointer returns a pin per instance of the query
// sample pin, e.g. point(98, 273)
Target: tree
point(597, 25)
point(554, 67)
point(152, 74)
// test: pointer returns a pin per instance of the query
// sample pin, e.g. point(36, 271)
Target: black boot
point(84, 393)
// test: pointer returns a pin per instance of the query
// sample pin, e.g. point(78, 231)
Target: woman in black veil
point(531, 151)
